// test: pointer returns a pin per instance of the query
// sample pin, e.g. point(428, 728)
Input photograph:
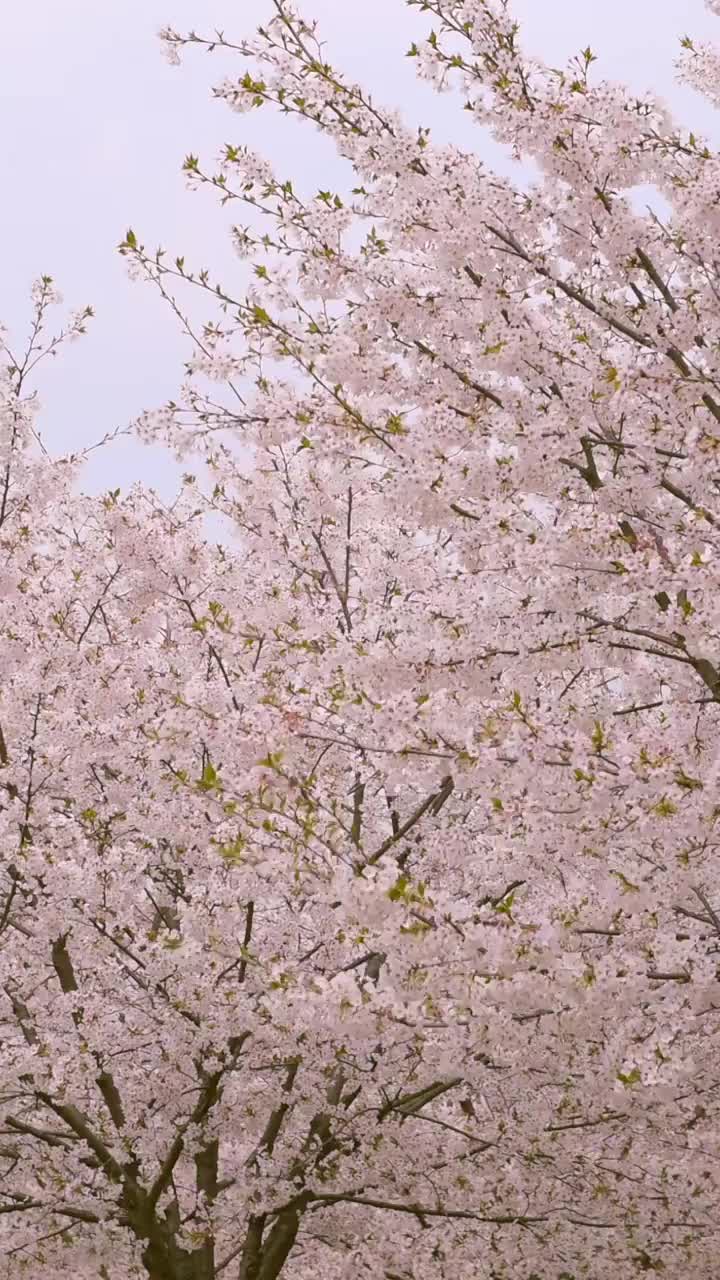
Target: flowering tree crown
point(358, 913)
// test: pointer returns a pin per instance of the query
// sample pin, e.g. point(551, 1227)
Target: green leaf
point(209, 780)
point(504, 908)
point(399, 889)
point(272, 760)
point(627, 885)
point(665, 808)
point(395, 425)
point(682, 779)
point(232, 853)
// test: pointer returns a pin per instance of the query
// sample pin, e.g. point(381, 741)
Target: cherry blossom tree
point(358, 912)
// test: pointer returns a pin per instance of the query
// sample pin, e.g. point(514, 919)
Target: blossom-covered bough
point(359, 910)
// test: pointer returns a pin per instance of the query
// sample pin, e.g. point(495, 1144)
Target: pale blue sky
point(96, 124)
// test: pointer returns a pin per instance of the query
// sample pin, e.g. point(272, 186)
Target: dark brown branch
point(22, 1013)
point(712, 913)
point(650, 269)
point(348, 548)
point(52, 1137)
point(586, 1124)
point(342, 598)
point(79, 1125)
point(485, 392)
point(280, 1240)
point(62, 964)
point(250, 1259)
point(274, 1124)
point(589, 472)
point(602, 933)
point(206, 1169)
point(682, 976)
point(208, 1097)
point(421, 1211)
point(643, 706)
point(249, 915)
point(111, 1098)
point(358, 797)
point(410, 1103)
point(64, 1210)
point(576, 295)
point(433, 803)
point(495, 901)
point(460, 511)
point(9, 899)
point(680, 494)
